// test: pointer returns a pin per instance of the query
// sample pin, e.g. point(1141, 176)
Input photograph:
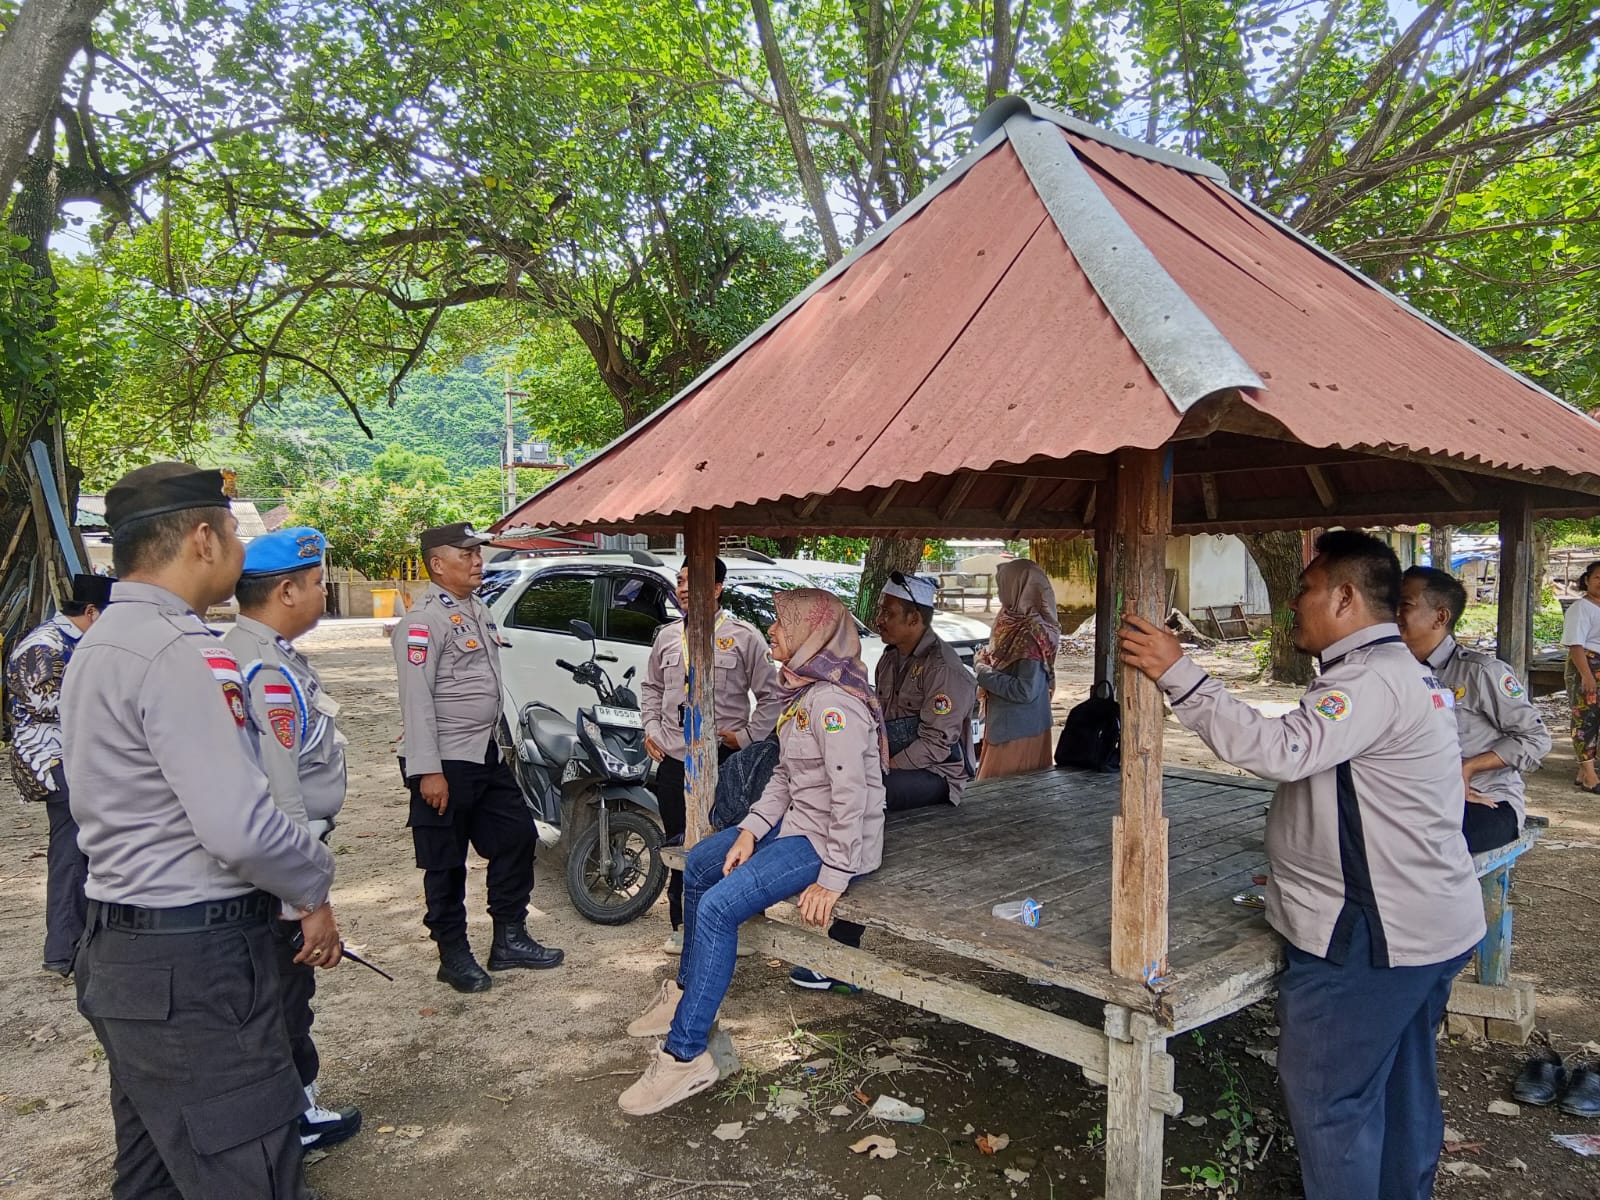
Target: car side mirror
point(582, 628)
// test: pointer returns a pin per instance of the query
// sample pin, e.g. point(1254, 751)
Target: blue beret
point(290, 549)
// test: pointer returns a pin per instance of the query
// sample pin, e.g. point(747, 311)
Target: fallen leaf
point(1451, 1134)
point(385, 1128)
point(909, 1045)
point(1465, 1170)
point(887, 1065)
point(1016, 1176)
point(1264, 1053)
point(892, 1108)
point(839, 1110)
point(876, 1145)
point(788, 1098)
point(993, 1143)
point(409, 1131)
point(1505, 1108)
point(862, 1096)
point(1516, 1164)
point(1194, 1119)
point(1463, 1147)
point(730, 1131)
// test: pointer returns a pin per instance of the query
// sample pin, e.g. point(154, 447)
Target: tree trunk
point(1439, 552)
point(1001, 52)
point(1280, 556)
point(34, 52)
point(884, 556)
point(811, 184)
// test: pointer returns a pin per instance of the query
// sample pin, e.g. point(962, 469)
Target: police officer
point(189, 862)
point(1502, 734)
point(33, 690)
point(280, 595)
point(1371, 882)
point(927, 695)
point(744, 669)
point(447, 653)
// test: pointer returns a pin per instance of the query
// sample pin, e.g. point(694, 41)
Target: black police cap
point(92, 589)
point(459, 534)
point(163, 487)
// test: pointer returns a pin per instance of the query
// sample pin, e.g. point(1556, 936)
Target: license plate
point(622, 718)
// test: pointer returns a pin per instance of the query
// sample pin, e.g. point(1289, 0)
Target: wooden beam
point(1076, 467)
point(880, 504)
point(700, 722)
point(1320, 485)
point(1019, 497)
point(1517, 584)
point(1451, 482)
point(1088, 507)
point(1106, 552)
point(809, 505)
point(956, 495)
point(1208, 490)
point(1139, 834)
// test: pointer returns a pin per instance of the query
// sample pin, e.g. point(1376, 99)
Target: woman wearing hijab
point(1580, 634)
point(817, 826)
point(1017, 673)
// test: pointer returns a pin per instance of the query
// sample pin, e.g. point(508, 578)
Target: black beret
point(92, 589)
point(163, 487)
point(460, 534)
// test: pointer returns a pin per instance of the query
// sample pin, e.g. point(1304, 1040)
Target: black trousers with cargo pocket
point(485, 811)
point(204, 1093)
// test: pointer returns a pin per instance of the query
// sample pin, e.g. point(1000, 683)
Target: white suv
point(626, 597)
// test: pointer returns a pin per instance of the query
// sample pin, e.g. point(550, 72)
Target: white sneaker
point(656, 1020)
point(666, 1081)
point(323, 1127)
point(674, 943)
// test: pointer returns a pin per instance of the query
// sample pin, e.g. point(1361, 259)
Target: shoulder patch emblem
point(417, 643)
point(1510, 686)
point(282, 722)
point(942, 705)
point(802, 720)
point(225, 669)
point(1335, 706)
point(832, 720)
point(724, 643)
point(1461, 693)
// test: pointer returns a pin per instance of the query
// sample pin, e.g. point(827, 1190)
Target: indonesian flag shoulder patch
point(417, 643)
point(225, 670)
point(279, 699)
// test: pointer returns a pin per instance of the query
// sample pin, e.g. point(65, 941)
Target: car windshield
point(495, 583)
point(843, 584)
point(752, 601)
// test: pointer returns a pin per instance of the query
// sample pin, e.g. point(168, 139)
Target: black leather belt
point(253, 908)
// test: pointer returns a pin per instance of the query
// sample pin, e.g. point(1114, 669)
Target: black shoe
point(1582, 1097)
point(514, 948)
point(324, 1127)
point(460, 970)
point(63, 969)
point(1541, 1080)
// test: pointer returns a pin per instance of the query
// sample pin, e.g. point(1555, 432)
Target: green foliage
point(282, 461)
point(370, 523)
point(408, 469)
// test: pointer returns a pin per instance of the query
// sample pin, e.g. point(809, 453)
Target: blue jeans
point(714, 907)
point(1356, 1058)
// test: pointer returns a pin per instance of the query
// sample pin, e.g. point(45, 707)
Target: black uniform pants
point(297, 985)
point(1490, 828)
point(903, 789)
point(670, 790)
point(204, 1093)
point(487, 812)
point(66, 867)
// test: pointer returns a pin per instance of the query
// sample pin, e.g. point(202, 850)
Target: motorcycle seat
point(556, 737)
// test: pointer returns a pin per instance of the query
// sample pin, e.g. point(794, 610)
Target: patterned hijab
point(824, 648)
point(1027, 626)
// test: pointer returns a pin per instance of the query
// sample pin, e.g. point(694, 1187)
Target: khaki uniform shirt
point(1493, 712)
point(744, 669)
point(932, 684)
point(172, 807)
point(292, 720)
point(447, 653)
point(828, 784)
point(1367, 815)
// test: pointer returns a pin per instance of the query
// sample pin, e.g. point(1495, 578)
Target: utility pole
point(511, 447)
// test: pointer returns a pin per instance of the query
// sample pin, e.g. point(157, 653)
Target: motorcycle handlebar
point(566, 666)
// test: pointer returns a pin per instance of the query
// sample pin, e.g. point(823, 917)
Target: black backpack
point(1092, 736)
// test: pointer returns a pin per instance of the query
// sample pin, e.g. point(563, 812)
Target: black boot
point(514, 948)
point(459, 969)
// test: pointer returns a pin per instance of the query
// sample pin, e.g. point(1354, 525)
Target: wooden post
point(700, 727)
point(1139, 835)
point(1133, 1123)
point(1105, 585)
point(1518, 587)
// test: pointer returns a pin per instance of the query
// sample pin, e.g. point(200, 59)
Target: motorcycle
point(586, 781)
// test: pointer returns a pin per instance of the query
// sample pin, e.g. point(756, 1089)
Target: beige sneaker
point(656, 1020)
point(666, 1081)
point(674, 943)
point(745, 949)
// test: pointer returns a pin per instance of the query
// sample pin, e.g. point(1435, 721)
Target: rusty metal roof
point(1059, 294)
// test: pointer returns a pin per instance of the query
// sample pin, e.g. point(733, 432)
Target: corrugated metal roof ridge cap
point(1008, 106)
point(1134, 285)
point(962, 165)
point(1348, 269)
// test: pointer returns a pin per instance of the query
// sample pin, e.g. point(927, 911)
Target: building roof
point(91, 514)
point(1059, 294)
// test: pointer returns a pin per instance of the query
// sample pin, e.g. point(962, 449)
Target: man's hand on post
point(730, 740)
point(1148, 648)
point(435, 791)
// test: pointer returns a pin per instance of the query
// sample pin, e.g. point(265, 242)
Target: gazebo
point(1069, 333)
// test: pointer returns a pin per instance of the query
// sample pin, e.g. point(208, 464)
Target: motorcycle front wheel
point(615, 892)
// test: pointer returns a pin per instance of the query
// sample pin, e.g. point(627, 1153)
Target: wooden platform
point(1048, 836)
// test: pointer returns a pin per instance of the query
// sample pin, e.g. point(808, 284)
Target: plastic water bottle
point(1026, 911)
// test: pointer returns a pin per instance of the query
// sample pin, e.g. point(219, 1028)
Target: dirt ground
point(512, 1093)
